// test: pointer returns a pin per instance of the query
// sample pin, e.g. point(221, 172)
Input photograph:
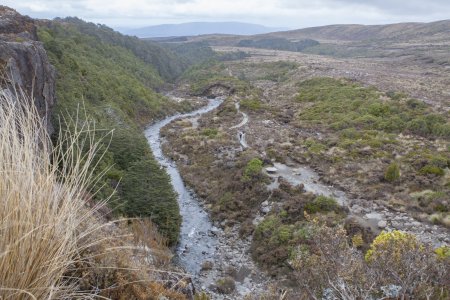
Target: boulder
point(382, 224)
point(271, 170)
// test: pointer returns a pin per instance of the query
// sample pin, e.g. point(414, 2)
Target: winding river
point(198, 240)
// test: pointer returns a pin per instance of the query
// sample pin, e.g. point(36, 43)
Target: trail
point(241, 134)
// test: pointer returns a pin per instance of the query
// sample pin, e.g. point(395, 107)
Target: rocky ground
point(269, 131)
point(232, 274)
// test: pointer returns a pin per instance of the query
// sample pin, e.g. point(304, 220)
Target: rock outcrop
point(24, 63)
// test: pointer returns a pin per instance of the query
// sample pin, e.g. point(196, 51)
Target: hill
point(416, 42)
point(199, 28)
point(352, 32)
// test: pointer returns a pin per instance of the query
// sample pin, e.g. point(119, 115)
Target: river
point(197, 241)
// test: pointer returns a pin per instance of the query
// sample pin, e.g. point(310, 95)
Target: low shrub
point(251, 104)
point(225, 285)
point(321, 204)
point(252, 169)
point(431, 170)
point(392, 172)
point(210, 132)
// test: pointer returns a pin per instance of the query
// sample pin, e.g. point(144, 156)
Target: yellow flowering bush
point(394, 243)
point(443, 252)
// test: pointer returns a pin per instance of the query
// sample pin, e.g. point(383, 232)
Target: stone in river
point(382, 224)
point(271, 170)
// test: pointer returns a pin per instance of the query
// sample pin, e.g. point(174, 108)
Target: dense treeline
point(101, 71)
point(191, 53)
point(167, 63)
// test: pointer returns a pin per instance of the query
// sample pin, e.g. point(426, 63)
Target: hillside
point(59, 239)
point(398, 32)
point(199, 28)
point(100, 76)
point(426, 42)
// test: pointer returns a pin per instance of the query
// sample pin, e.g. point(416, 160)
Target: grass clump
point(392, 172)
point(43, 196)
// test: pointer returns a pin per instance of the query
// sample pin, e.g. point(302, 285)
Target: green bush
point(252, 169)
point(210, 132)
point(148, 193)
point(314, 146)
point(322, 204)
point(432, 170)
point(392, 172)
point(251, 104)
point(340, 105)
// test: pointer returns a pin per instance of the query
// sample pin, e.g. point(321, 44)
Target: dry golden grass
point(42, 202)
point(53, 243)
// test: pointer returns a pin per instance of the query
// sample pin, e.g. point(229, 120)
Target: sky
point(274, 13)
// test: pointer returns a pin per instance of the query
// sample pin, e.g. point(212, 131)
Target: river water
point(198, 240)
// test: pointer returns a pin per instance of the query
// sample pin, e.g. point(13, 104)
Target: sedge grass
point(43, 194)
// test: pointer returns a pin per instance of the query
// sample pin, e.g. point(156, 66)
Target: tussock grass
point(43, 194)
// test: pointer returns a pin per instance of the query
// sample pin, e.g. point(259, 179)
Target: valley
point(304, 164)
point(329, 126)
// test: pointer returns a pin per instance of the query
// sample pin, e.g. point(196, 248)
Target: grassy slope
point(117, 90)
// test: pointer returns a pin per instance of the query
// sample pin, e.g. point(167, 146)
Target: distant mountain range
point(200, 28)
point(345, 34)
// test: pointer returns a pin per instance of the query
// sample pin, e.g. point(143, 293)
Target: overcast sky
point(279, 13)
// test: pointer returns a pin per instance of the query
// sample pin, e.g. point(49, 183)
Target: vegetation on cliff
point(99, 74)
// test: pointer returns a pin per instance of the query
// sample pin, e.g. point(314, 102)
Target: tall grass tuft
point(44, 222)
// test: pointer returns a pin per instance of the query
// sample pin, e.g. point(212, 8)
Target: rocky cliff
point(23, 61)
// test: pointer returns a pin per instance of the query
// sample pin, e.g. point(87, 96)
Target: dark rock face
point(24, 63)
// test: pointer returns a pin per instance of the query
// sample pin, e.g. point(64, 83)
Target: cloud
point(291, 13)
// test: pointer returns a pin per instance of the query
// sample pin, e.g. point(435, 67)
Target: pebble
point(382, 224)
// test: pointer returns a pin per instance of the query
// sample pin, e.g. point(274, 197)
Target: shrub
point(395, 242)
point(252, 169)
point(329, 267)
point(225, 285)
point(321, 204)
point(210, 132)
point(315, 146)
point(149, 194)
point(118, 93)
point(392, 173)
point(339, 104)
point(443, 252)
point(207, 265)
point(251, 104)
point(398, 258)
point(432, 170)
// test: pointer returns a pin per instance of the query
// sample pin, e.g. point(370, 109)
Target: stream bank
point(205, 251)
